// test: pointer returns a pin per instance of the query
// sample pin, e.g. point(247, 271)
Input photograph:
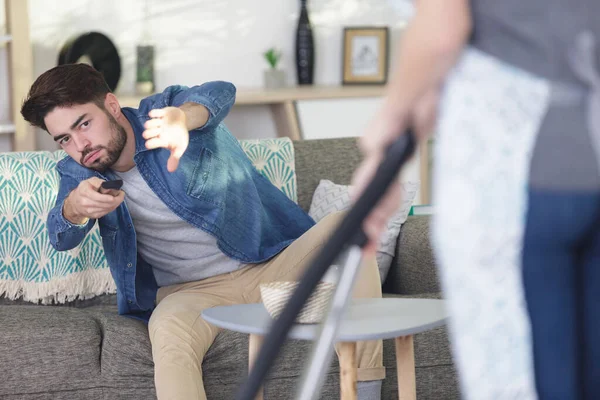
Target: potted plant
point(144, 81)
point(274, 78)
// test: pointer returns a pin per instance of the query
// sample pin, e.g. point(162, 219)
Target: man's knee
point(325, 227)
point(168, 331)
point(333, 220)
point(180, 329)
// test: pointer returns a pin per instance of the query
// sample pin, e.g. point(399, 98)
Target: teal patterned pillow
point(274, 158)
point(30, 268)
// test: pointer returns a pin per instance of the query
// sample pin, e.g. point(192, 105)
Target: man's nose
point(81, 142)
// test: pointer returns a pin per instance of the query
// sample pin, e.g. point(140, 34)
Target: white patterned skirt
point(489, 118)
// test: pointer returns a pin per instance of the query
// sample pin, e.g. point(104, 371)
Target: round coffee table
point(365, 319)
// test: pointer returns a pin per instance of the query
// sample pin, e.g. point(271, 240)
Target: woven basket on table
point(276, 294)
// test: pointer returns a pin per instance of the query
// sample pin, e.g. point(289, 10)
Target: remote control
point(114, 185)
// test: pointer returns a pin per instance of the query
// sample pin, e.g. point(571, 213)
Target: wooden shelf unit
point(282, 102)
point(20, 70)
point(264, 96)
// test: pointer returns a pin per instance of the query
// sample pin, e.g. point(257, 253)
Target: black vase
point(305, 50)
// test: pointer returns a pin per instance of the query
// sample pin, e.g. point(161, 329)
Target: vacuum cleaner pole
point(322, 351)
point(348, 233)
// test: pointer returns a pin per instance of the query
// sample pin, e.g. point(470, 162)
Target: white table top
point(366, 319)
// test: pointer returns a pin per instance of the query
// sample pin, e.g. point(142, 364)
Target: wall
point(347, 117)
point(200, 40)
point(5, 143)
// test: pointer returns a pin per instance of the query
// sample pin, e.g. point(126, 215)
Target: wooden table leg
point(348, 370)
point(405, 364)
point(254, 344)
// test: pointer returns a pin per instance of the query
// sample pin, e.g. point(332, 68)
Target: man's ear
point(111, 104)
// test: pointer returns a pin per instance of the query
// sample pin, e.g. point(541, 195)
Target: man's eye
point(85, 124)
point(64, 140)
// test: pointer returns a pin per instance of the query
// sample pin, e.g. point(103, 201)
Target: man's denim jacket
point(215, 188)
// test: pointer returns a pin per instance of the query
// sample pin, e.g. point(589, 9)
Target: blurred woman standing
point(516, 185)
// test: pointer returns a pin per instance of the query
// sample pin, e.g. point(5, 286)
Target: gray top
point(177, 251)
point(555, 39)
point(366, 319)
point(535, 35)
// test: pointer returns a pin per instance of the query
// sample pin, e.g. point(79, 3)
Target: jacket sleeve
point(218, 97)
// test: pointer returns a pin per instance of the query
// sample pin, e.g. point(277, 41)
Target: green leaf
point(272, 56)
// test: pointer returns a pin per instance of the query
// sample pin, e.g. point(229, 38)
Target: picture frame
point(365, 55)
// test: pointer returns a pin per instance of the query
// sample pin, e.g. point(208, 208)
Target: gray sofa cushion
point(413, 269)
point(42, 348)
point(53, 352)
point(99, 392)
point(333, 159)
point(92, 393)
point(435, 372)
point(225, 367)
point(126, 349)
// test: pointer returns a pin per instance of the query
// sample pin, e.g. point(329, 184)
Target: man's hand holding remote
point(86, 201)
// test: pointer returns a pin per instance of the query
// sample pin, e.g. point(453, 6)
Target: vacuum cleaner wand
point(349, 232)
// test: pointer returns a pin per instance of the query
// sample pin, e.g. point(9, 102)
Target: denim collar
point(136, 121)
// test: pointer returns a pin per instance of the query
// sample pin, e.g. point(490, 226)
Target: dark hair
point(63, 86)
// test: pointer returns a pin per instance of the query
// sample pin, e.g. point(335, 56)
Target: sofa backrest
point(332, 159)
point(30, 268)
point(336, 159)
point(413, 269)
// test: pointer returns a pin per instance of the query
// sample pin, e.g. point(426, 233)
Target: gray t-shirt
point(540, 36)
point(177, 251)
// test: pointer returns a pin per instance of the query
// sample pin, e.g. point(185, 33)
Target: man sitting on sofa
point(195, 226)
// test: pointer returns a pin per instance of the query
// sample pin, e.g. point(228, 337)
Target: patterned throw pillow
point(30, 267)
point(274, 158)
point(330, 197)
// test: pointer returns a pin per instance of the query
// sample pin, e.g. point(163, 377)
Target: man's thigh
point(179, 308)
point(294, 260)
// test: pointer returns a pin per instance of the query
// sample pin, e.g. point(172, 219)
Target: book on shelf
point(423, 209)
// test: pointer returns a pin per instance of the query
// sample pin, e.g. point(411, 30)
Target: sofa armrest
point(413, 269)
point(434, 296)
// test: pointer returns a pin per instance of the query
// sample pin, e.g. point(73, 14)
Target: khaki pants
point(180, 337)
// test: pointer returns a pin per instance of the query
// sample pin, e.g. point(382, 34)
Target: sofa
point(84, 350)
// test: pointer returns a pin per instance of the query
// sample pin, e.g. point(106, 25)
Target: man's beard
point(113, 149)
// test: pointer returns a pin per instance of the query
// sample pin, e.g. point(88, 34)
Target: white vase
point(274, 78)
